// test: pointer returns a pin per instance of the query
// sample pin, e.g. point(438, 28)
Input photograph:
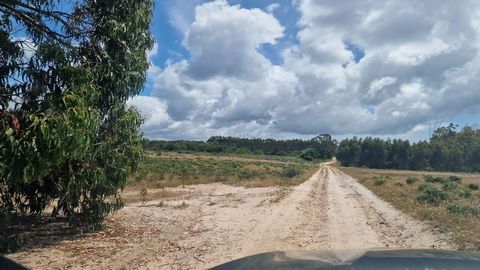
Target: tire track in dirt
point(215, 223)
point(394, 228)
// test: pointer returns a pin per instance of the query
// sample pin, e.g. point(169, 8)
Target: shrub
point(465, 193)
point(411, 180)
point(463, 210)
point(432, 195)
point(429, 178)
point(473, 186)
point(290, 172)
point(307, 154)
point(434, 179)
point(379, 180)
point(421, 187)
point(454, 178)
point(449, 186)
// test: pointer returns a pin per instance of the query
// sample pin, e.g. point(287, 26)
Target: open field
point(200, 226)
point(167, 169)
point(452, 207)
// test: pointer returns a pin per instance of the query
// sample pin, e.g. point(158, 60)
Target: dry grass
point(464, 230)
point(132, 194)
point(279, 194)
point(236, 157)
point(173, 169)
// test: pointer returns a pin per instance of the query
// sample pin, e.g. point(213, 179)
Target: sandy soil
point(206, 225)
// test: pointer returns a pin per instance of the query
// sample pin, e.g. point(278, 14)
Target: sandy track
point(215, 223)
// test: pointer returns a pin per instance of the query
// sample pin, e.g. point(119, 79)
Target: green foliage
point(454, 178)
point(308, 154)
point(421, 187)
point(67, 137)
point(434, 179)
point(465, 193)
point(473, 186)
point(290, 172)
point(432, 195)
point(411, 180)
point(379, 180)
point(449, 186)
point(348, 152)
point(447, 150)
point(320, 147)
point(174, 171)
point(463, 210)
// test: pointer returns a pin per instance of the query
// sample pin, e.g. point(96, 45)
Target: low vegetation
point(379, 180)
point(411, 180)
point(449, 202)
point(167, 170)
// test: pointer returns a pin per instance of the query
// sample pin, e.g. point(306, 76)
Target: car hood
point(399, 259)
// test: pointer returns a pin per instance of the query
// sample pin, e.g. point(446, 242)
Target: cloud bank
point(419, 62)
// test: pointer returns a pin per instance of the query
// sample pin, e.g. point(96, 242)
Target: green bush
point(473, 186)
point(411, 180)
point(379, 180)
point(449, 186)
point(465, 193)
point(290, 172)
point(434, 179)
point(454, 178)
point(432, 195)
point(421, 187)
point(463, 210)
point(429, 178)
point(308, 154)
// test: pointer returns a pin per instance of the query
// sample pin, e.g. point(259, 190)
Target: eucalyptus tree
point(67, 137)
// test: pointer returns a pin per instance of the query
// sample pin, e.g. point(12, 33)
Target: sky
point(298, 68)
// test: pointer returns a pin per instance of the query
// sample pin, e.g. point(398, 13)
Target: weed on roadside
point(379, 180)
point(411, 180)
point(432, 195)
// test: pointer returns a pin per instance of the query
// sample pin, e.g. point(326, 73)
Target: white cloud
point(421, 63)
point(223, 41)
point(181, 13)
point(418, 52)
point(379, 84)
point(272, 7)
point(153, 69)
point(154, 112)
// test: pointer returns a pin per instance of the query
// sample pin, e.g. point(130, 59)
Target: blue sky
point(169, 37)
point(299, 68)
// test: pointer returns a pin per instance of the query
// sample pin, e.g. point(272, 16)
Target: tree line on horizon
point(319, 147)
point(448, 149)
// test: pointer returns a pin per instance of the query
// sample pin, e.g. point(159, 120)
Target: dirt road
point(210, 224)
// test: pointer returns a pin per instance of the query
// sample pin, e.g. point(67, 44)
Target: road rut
point(215, 223)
